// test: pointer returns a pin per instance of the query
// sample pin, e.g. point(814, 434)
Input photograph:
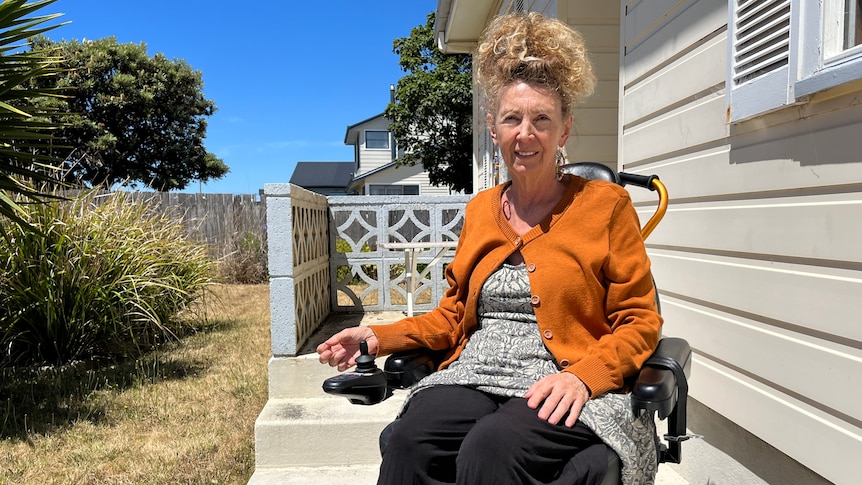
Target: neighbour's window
point(377, 139)
point(785, 50)
point(393, 190)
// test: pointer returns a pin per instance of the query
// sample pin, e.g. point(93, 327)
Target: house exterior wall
point(371, 158)
point(758, 259)
point(405, 175)
point(594, 132)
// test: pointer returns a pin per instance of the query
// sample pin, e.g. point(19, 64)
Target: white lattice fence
point(298, 265)
point(325, 255)
point(367, 277)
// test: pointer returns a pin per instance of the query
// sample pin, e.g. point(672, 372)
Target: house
point(325, 178)
point(376, 171)
point(749, 111)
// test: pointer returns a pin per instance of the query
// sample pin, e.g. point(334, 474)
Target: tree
point(432, 115)
point(134, 118)
point(24, 133)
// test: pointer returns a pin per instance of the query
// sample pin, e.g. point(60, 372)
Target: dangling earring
point(562, 160)
point(496, 172)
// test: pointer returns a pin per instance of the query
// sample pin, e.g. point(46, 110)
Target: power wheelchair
point(660, 388)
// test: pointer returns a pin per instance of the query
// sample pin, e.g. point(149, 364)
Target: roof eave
point(460, 23)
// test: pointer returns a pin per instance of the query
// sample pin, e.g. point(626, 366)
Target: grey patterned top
point(506, 355)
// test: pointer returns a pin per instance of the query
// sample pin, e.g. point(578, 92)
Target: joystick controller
point(365, 385)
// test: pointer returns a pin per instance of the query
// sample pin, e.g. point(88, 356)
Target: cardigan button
point(565, 363)
point(518, 241)
point(535, 300)
point(548, 334)
point(531, 267)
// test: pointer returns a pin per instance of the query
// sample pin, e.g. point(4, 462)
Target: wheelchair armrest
point(403, 369)
point(662, 387)
point(657, 386)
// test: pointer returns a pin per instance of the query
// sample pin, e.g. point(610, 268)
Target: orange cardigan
point(589, 274)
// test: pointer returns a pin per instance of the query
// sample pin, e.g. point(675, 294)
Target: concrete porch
point(328, 271)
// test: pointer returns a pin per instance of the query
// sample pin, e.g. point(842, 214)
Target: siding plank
point(592, 148)
point(697, 71)
point(786, 423)
point(782, 292)
point(813, 227)
point(697, 123)
point(646, 50)
point(811, 368)
point(595, 121)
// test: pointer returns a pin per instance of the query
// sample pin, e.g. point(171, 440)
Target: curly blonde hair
point(533, 49)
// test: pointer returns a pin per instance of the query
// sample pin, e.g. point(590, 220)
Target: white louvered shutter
point(760, 46)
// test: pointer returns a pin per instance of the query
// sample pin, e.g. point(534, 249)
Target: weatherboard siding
point(407, 175)
point(594, 133)
point(759, 259)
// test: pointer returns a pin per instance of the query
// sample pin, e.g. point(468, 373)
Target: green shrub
point(246, 264)
point(102, 276)
point(343, 272)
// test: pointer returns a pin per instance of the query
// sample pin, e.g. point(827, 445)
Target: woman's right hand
point(342, 349)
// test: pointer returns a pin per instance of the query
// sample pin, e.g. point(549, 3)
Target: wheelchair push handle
point(653, 183)
point(645, 181)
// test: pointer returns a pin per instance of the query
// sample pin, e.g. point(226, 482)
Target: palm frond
point(24, 126)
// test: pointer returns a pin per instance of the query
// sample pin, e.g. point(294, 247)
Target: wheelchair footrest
point(685, 437)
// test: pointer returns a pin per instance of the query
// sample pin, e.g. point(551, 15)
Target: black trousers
point(454, 434)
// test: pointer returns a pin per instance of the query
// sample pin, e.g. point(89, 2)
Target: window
point(844, 31)
point(393, 190)
point(852, 23)
point(781, 51)
point(377, 139)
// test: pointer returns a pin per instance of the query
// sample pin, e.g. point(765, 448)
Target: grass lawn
point(180, 415)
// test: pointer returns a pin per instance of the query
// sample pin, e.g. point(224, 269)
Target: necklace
point(507, 209)
point(542, 208)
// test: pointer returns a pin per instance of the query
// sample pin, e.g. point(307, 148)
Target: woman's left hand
point(558, 394)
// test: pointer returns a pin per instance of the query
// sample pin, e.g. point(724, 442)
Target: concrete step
point(367, 475)
point(300, 377)
point(326, 431)
point(353, 475)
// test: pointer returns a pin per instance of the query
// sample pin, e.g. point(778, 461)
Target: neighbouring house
point(325, 178)
point(748, 110)
point(376, 171)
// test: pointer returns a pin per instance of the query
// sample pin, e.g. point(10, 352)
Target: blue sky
point(287, 76)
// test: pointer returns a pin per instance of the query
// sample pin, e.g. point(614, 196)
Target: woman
point(551, 305)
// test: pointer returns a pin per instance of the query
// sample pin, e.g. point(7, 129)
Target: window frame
point(818, 72)
point(401, 186)
point(388, 140)
point(808, 70)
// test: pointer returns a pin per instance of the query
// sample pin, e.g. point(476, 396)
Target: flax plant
point(102, 276)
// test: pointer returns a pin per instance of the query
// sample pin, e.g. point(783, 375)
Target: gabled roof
point(351, 136)
point(375, 171)
point(322, 174)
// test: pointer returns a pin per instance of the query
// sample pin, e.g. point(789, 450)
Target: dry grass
point(182, 415)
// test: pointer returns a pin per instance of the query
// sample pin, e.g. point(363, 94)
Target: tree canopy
point(131, 117)
point(432, 115)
